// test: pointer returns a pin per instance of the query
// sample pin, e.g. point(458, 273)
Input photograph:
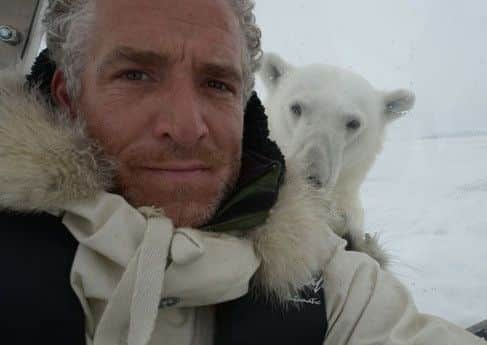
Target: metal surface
point(18, 16)
point(10, 35)
point(35, 38)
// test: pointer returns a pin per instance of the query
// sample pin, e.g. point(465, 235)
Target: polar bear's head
point(331, 119)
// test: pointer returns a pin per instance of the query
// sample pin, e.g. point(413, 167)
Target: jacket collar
point(255, 194)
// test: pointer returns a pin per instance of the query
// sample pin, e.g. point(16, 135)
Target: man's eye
point(218, 85)
point(135, 76)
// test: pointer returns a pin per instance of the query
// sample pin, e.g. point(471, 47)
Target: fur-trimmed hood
point(47, 160)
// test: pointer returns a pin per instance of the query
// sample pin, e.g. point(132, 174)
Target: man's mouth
point(180, 171)
point(180, 166)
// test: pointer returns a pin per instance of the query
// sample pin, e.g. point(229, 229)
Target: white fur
point(296, 242)
point(45, 158)
point(334, 157)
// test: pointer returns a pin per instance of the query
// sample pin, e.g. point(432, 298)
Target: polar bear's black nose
point(314, 181)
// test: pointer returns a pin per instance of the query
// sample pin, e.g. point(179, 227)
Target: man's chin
point(190, 214)
point(186, 207)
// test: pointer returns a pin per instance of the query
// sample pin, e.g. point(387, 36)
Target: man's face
point(162, 92)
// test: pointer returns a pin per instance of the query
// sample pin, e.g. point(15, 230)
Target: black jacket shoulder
point(37, 303)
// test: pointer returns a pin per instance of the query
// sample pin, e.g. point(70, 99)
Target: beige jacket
point(119, 273)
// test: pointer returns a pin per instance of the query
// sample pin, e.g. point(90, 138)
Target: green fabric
point(238, 224)
point(265, 186)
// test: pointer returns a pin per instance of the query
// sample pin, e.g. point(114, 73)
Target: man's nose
point(183, 117)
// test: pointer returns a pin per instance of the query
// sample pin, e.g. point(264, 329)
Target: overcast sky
point(437, 48)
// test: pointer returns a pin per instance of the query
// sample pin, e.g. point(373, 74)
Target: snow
point(427, 198)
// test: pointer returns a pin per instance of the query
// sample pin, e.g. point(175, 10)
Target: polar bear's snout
point(317, 167)
point(322, 163)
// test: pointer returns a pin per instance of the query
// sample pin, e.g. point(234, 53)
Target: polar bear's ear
point(272, 68)
point(398, 102)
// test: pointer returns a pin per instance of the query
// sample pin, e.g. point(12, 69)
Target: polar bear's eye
point(353, 124)
point(297, 109)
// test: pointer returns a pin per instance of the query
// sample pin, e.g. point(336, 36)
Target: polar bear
point(332, 121)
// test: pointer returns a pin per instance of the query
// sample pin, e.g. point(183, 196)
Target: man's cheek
point(108, 130)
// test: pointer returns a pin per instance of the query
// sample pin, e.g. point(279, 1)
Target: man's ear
point(272, 69)
point(397, 103)
point(59, 92)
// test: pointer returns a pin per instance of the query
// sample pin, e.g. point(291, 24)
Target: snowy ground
point(428, 200)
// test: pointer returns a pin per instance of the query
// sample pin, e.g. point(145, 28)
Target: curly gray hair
point(68, 23)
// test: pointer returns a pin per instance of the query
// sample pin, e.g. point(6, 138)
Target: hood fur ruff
point(47, 159)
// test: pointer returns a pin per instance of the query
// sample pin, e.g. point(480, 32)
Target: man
point(140, 206)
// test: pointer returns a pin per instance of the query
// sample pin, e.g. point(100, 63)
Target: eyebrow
point(222, 70)
point(122, 53)
point(148, 57)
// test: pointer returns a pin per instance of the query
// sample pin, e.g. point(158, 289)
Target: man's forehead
point(194, 12)
point(159, 24)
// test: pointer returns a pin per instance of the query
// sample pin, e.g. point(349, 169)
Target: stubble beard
point(186, 205)
point(190, 205)
point(186, 212)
